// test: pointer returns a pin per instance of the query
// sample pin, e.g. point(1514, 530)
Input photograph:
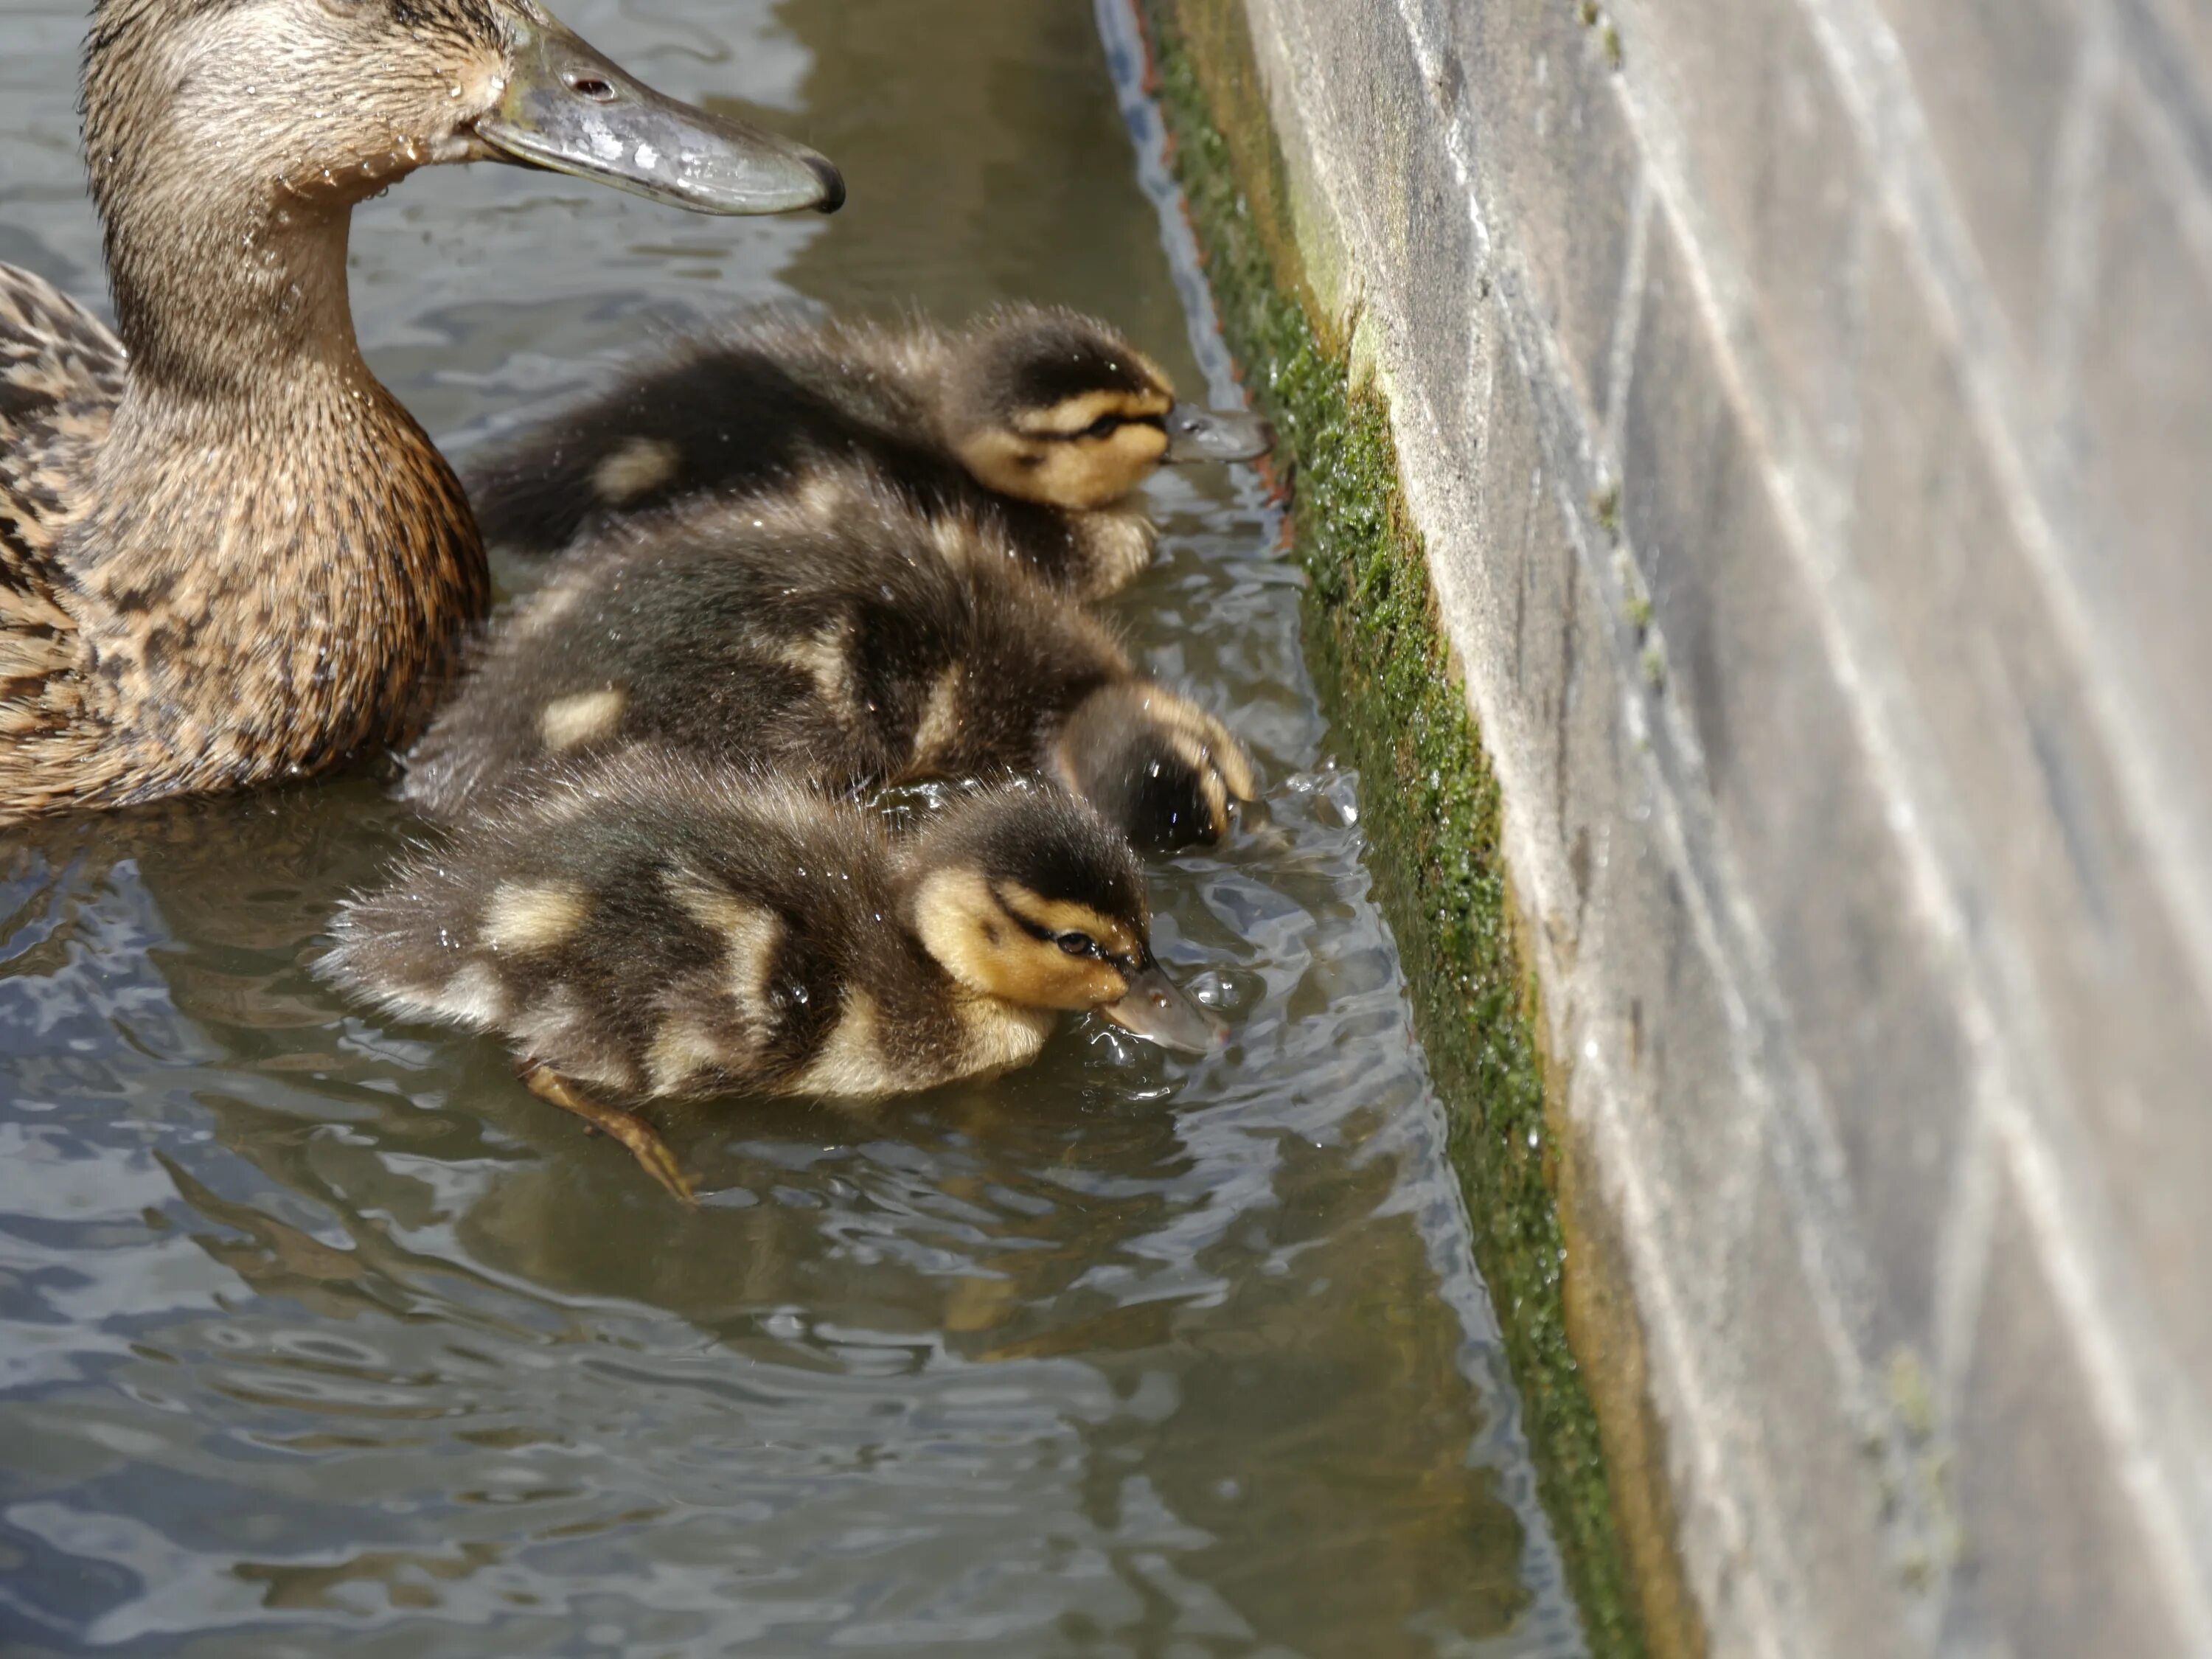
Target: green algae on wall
point(1431, 800)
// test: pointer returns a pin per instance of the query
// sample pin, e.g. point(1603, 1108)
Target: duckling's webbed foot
point(643, 1140)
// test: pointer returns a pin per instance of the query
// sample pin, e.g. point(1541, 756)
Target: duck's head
point(1021, 892)
point(338, 97)
point(1157, 766)
point(247, 112)
point(1054, 407)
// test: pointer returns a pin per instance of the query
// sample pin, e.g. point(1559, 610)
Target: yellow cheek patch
point(522, 917)
point(571, 722)
point(1208, 740)
point(1084, 983)
point(1089, 472)
point(634, 468)
point(1210, 785)
point(1006, 462)
point(1235, 766)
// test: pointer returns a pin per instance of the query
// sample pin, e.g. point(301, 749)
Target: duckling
point(227, 554)
point(1047, 419)
point(843, 633)
point(651, 927)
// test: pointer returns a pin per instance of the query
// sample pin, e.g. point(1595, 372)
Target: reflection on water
point(319, 1335)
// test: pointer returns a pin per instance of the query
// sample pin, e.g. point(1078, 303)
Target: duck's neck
point(279, 563)
point(223, 287)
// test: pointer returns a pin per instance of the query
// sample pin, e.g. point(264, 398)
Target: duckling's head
point(1054, 407)
point(1021, 892)
point(257, 118)
point(1158, 767)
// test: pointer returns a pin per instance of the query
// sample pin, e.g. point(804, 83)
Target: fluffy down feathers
point(839, 634)
point(651, 927)
point(760, 405)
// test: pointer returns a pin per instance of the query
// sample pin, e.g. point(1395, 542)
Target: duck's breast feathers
point(61, 372)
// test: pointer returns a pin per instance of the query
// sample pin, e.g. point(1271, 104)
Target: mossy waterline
point(1433, 821)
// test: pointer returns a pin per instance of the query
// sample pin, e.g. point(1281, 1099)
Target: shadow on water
point(319, 1334)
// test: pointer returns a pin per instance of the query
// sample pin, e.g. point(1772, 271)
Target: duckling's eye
point(1104, 426)
point(1080, 944)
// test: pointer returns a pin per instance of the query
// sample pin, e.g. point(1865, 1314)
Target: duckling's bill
point(1216, 434)
point(567, 109)
point(1158, 1010)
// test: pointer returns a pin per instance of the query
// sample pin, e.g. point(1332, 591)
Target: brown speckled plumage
point(227, 554)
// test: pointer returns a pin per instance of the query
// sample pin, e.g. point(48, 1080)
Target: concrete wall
point(1809, 403)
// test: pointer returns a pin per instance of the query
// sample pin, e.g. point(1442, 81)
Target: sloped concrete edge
point(1776, 386)
point(1548, 1246)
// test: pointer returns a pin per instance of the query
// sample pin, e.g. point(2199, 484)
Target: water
point(322, 1336)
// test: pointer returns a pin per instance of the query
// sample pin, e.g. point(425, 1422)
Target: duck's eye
point(1079, 944)
point(1104, 426)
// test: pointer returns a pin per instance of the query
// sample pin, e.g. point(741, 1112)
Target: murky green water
point(320, 1336)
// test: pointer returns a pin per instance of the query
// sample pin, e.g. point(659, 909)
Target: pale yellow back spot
point(571, 722)
point(524, 917)
point(545, 607)
point(634, 467)
point(940, 720)
point(752, 932)
point(821, 657)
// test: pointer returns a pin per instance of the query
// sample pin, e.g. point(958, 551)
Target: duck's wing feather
point(61, 373)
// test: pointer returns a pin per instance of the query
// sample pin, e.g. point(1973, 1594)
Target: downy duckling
point(1046, 419)
point(843, 633)
point(227, 554)
point(652, 927)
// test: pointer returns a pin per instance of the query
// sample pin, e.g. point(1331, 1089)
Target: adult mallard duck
point(227, 554)
point(1042, 419)
point(654, 927)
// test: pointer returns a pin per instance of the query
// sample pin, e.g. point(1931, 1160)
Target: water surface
point(320, 1335)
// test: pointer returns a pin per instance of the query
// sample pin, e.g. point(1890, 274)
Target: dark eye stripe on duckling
point(1097, 413)
point(1051, 919)
point(1080, 364)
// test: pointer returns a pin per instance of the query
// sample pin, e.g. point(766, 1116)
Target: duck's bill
point(1216, 434)
point(1158, 1010)
point(569, 109)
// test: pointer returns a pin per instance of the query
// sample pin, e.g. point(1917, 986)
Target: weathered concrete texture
point(1807, 404)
